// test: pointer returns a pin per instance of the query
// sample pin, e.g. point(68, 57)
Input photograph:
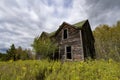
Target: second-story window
point(65, 34)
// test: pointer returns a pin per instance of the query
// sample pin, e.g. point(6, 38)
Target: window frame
point(66, 53)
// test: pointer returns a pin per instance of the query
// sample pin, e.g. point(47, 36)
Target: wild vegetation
point(107, 41)
point(55, 70)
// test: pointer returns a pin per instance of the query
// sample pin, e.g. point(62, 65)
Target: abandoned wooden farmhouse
point(75, 41)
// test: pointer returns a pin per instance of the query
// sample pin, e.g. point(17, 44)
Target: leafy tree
point(19, 51)
point(31, 55)
point(24, 55)
point(44, 47)
point(107, 41)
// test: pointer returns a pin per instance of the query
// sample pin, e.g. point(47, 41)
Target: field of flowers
point(55, 70)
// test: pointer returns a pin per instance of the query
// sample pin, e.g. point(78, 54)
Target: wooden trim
point(62, 34)
point(59, 52)
point(72, 52)
point(65, 52)
point(81, 44)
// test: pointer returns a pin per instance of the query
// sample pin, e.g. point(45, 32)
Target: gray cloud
point(103, 11)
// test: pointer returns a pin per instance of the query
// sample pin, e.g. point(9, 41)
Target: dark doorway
point(68, 52)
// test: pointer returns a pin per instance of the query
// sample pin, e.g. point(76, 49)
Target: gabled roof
point(76, 25)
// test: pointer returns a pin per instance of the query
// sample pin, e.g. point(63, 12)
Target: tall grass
point(55, 70)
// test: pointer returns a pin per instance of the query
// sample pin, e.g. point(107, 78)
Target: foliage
point(44, 47)
point(107, 41)
point(3, 57)
point(11, 53)
point(55, 70)
point(16, 54)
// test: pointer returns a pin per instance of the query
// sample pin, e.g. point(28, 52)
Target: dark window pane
point(65, 34)
point(68, 51)
point(69, 56)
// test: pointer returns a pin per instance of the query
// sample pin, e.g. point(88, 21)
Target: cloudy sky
point(22, 20)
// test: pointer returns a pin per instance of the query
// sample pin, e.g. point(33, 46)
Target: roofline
point(62, 26)
point(65, 23)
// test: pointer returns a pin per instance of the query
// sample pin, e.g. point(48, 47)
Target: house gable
point(71, 32)
point(63, 26)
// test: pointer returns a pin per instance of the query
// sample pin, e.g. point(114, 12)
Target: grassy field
point(55, 70)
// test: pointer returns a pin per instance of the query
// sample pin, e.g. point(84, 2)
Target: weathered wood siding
point(88, 41)
point(73, 40)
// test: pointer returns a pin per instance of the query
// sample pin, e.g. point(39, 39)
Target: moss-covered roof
point(76, 25)
point(52, 33)
point(79, 24)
